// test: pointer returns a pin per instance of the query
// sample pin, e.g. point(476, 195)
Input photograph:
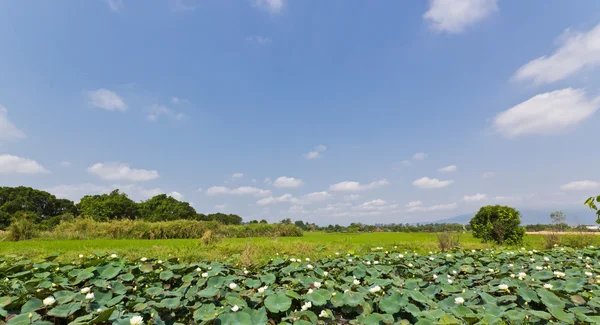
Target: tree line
point(46, 209)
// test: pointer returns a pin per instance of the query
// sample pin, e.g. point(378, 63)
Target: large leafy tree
point(164, 208)
point(115, 205)
point(500, 224)
point(26, 199)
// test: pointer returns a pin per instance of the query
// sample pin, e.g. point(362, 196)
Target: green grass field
point(249, 250)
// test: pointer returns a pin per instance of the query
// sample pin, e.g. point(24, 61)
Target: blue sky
point(326, 111)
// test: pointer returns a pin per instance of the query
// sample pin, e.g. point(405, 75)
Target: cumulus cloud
point(447, 169)
point(547, 113)
point(475, 197)
point(316, 153)
point(585, 185)
point(351, 197)
point(578, 50)
point(156, 111)
point(349, 186)
point(120, 171)
point(273, 6)
point(242, 190)
point(280, 199)
point(106, 99)
point(431, 183)
point(176, 195)
point(413, 204)
point(257, 39)
point(439, 207)
point(287, 182)
point(454, 16)
point(488, 174)
point(315, 197)
point(419, 156)
point(7, 129)
point(10, 164)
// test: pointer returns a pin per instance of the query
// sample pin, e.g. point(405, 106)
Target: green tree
point(26, 199)
point(558, 220)
point(591, 202)
point(500, 224)
point(286, 221)
point(165, 208)
point(115, 205)
point(263, 221)
point(300, 224)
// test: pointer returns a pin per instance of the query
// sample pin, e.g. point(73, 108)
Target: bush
point(448, 240)
point(581, 240)
point(500, 224)
point(22, 229)
point(551, 240)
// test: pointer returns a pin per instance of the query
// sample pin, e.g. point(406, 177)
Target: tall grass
point(85, 228)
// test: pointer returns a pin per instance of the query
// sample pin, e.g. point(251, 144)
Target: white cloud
point(268, 181)
point(406, 163)
point(488, 174)
point(316, 153)
point(287, 182)
point(315, 197)
point(17, 165)
point(176, 195)
point(447, 169)
point(281, 199)
point(419, 156)
point(413, 204)
point(119, 171)
point(273, 6)
point(257, 39)
point(507, 198)
point(106, 99)
point(348, 186)
point(547, 113)
point(439, 207)
point(297, 209)
point(115, 5)
point(156, 111)
point(242, 190)
point(581, 186)
point(7, 129)
point(453, 16)
point(578, 50)
point(65, 163)
point(175, 100)
point(351, 197)
point(431, 183)
point(237, 175)
point(180, 6)
point(475, 198)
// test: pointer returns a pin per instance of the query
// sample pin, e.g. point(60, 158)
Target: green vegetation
point(500, 224)
point(382, 287)
point(591, 202)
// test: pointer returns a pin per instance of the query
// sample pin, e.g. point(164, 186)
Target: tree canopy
point(165, 208)
point(500, 224)
point(105, 207)
point(26, 199)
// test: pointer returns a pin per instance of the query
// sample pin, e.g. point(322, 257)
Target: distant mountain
point(529, 217)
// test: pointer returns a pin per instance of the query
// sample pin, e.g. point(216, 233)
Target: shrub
point(448, 240)
point(580, 240)
point(500, 224)
point(551, 240)
point(209, 238)
point(22, 229)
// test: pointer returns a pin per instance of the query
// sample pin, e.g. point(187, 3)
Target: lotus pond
point(382, 287)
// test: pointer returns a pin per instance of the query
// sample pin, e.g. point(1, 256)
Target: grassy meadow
point(250, 250)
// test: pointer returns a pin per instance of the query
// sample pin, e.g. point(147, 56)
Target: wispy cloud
point(316, 153)
point(156, 111)
point(431, 183)
point(7, 129)
point(272, 6)
point(257, 39)
point(106, 99)
point(349, 186)
point(181, 6)
point(454, 16)
point(115, 5)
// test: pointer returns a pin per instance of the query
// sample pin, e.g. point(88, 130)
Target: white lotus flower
point(400, 255)
point(325, 273)
point(547, 286)
point(435, 276)
point(307, 305)
point(588, 273)
point(491, 270)
point(559, 274)
point(376, 262)
point(368, 263)
point(317, 285)
point(324, 314)
point(198, 269)
point(85, 290)
point(375, 289)
point(546, 259)
point(510, 265)
point(503, 286)
point(356, 282)
point(235, 308)
point(262, 289)
point(99, 310)
point(113, 256)
point(410, 265)
point(307, 259)
point(80, 255)
point(539, 268)
point(310, 267)
point(349, 260)
point(310, 290)
point(246, 272)
point(143, 259)
point(136, 320)
point(472, 251)
point(232, 286)
point(89, 296)
point(205, 275)
point(49, 301)
point(512, 275)
point(450, 281)
point(431, 258)
point(448, 255)
point(459, 300)
point(292, 260)
point(454, 272)
point(159, 261)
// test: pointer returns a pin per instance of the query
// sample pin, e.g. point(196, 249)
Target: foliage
point(500, 224)
point(226, 219)
point(23, 227)
point(591, 202)
point(356, 227)
point(383, 287)
point(104, 207)
point(25, 199)
point(165, 208)
point(558, 220)
point(448, 240)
